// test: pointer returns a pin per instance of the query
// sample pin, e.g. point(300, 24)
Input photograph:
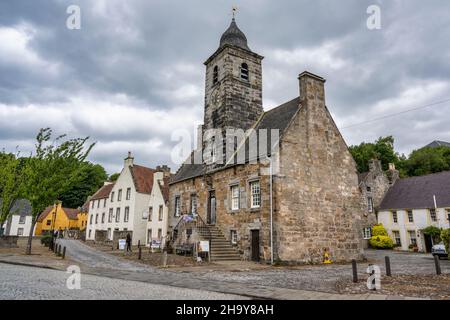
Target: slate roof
point(103, 192)
point(142, 178)
point(437, 143)
point(276, 118)
point(21, 207)
point(165, 189)
point(417, 192)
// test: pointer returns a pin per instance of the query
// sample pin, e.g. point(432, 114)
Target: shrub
point(379, 230)
point(445, 236)
point(46, 239)
point(381, 242)
point(433, 232)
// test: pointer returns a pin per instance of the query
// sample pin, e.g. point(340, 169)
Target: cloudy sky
point(134, 71)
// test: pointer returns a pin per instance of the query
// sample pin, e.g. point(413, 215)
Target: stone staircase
point(221, 249)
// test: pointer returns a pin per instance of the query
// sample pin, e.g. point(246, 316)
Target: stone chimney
point(164, 169)
point(129, 160)
point(393, 174)
point(375, 165)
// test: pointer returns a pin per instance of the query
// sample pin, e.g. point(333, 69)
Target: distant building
point(437, 143)
point(122, 207)
point(57, 217)
point(20, 221)
point(413, 204)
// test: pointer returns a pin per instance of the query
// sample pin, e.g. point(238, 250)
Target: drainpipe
point(271, 209)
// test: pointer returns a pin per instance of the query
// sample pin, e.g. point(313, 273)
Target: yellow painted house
point(56, 217)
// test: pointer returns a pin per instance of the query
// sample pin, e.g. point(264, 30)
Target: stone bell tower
point(233, 89)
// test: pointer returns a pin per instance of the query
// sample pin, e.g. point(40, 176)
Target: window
point(96, 218)
point(412, 237)
point(235, 197)
point(433, 215)
point(368, 189)
point(193, 204)
point(213, 149)
point(109, 233)
point(20, 232)
point(90, 219)
point(127, 214)
point(149, 236)
point(103, 217)
point(177, 206)
point(98, 203)
point(22, 219)
point(233, 237)
point(448, 214)
point(150, 213)
point(367, 233)
point(159, 233)
point(90, 231)
point(128, 196)
point(410, 216)
point(255, 195)
point(160, 213)
point(104, 203)
point(244, 71)
point(119, 195)
point(398, 240)
point(112, 196)
point(394, 216)
point(110, 216)
point(117, 214)
point(216, 75)
point(370, 204)
point(92, 204)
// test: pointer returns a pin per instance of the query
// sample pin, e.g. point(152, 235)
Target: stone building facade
point(305, 188)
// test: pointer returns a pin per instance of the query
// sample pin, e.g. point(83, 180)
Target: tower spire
point(233, 11)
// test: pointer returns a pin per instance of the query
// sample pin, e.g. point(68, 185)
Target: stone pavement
point(312, 282)
point(20, 282)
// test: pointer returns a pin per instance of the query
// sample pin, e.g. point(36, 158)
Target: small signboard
point(156, 244)
point(203, 246)
point(122, 243)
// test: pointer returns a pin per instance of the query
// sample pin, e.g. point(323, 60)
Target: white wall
point(156, 200)
point(16, 225)
point(422, 219)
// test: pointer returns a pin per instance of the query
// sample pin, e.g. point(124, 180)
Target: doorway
point(428, 243)
point(211, 216)
point(255, 245)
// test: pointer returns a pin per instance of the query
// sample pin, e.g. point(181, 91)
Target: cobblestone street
point(20, 282)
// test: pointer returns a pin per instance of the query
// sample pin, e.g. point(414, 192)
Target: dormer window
point(244, 71)
point(216, 75)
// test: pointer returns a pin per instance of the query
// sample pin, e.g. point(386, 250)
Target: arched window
point(216, 75)
point(244, 71)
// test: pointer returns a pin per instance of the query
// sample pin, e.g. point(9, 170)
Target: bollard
point(165, 259)
point(437, 263)
point(139, 243)
point(55, 248)
point(59, 251)
point(388, 266)
point(355, 271)
point(140, 253)
point(64, 253)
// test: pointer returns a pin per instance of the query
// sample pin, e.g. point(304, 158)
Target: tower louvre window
point(216, 75)
point(244, 71)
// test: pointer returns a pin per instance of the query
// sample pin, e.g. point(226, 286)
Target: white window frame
point(160, 213)
point(394, 216)
point(433, 216)
point(255, 194)
point(412, 232)
point(119, 195)
point(149, 236)
point(233, 236)
point(150, 213)
point(194, 207)
point(370, 204)
point(117, 214)
point(410, 217)
point(177, 212)
point(22, 219)
point(367, 233)
point(128, 196)
point(112, 196)
point(126, 215)
point(103, 217)
point(394, 234)
point(235, 196)
point(110, 215)
point(19, 233)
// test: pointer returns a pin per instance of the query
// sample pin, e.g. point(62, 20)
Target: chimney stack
point(164, 169)
point(129, 160)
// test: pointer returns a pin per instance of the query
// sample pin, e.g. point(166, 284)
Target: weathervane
point(233, 11)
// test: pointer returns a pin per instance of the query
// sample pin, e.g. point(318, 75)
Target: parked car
point(439, 250)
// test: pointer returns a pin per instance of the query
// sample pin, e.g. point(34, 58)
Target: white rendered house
point(413, 204)
point(20, 221)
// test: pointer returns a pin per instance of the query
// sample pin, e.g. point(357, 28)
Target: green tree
point(445, 236)
point(382, 149)
point(51, 171)
point(114, 177)
point(428, 160)
point(11, 183)
point(89, 178)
